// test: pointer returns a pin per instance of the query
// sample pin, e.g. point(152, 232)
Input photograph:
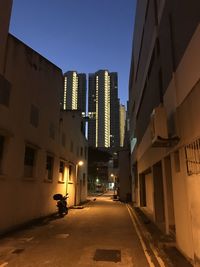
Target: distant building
point(122, 120)
point(103, 109)
point(74, 94)
point(164, 112)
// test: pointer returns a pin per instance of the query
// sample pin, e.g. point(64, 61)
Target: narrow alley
point(102, 233)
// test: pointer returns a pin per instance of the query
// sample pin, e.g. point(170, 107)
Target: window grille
point(192, 152)
point(70, 172)
point(61, 171)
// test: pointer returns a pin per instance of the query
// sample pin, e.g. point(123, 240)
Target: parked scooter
point(61, 203)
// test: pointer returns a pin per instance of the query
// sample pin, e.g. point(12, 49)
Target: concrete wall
point(181, 100)
point(32, 118)
point(149, 192)
point(124, 175)
point(165, 69)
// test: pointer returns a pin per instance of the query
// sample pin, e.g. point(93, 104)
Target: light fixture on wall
point(80, 163)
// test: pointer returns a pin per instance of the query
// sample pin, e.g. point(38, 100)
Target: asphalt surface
point(103, 233)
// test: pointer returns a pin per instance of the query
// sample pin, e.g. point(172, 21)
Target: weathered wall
point(35, 82)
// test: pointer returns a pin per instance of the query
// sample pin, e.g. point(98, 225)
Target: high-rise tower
point(74, 94)
point(103, 109)
point(122, 119)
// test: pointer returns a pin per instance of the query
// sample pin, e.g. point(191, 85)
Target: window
point(77, 151)
point(192, 152)
point(61, 171)
point(49, 167)
point(70, 172)
point(4, 91)
point(81, 151)
point(85, 152)
point(34, 116)
point(2, 142)
point(29, 161)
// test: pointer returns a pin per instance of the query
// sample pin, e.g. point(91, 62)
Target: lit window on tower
point(97, 85)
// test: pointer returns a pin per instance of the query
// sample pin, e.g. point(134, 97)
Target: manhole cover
point(107, 255)
point(18, 250)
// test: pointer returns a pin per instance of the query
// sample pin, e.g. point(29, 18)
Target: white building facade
point(164, 113)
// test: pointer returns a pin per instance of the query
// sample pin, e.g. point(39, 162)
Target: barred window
point(192, 152)
point(70, 172)
point(49, 167)
point(61, 171)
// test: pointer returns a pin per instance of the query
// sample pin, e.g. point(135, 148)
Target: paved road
point(103, 233)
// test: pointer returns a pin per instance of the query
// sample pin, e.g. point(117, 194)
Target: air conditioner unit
point(158, 125)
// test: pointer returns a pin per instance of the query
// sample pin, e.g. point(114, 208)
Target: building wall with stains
point(35, 156)
point(171, 67)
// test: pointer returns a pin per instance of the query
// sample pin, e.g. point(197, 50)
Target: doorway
point(159, 196)
point(170, 227)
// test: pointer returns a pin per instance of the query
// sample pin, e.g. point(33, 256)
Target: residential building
point(74, 94)
point(82, 88)
point(103, 109)
point(40, 146)
point(164, 93)
point(122, 120)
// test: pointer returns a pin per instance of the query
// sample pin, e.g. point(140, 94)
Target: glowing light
point(97, 106)
point(80, 163)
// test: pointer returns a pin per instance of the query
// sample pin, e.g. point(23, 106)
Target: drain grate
point(18, 251)
point(107, 255)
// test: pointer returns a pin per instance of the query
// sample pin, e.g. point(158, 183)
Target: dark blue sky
point(82, 35)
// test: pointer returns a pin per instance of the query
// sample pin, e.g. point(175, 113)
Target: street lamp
point(80, 163)
point(114, 176)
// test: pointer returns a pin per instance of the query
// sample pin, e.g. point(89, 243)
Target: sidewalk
point(165, 244)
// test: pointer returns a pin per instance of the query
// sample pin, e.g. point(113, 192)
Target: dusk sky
point(82, 35)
